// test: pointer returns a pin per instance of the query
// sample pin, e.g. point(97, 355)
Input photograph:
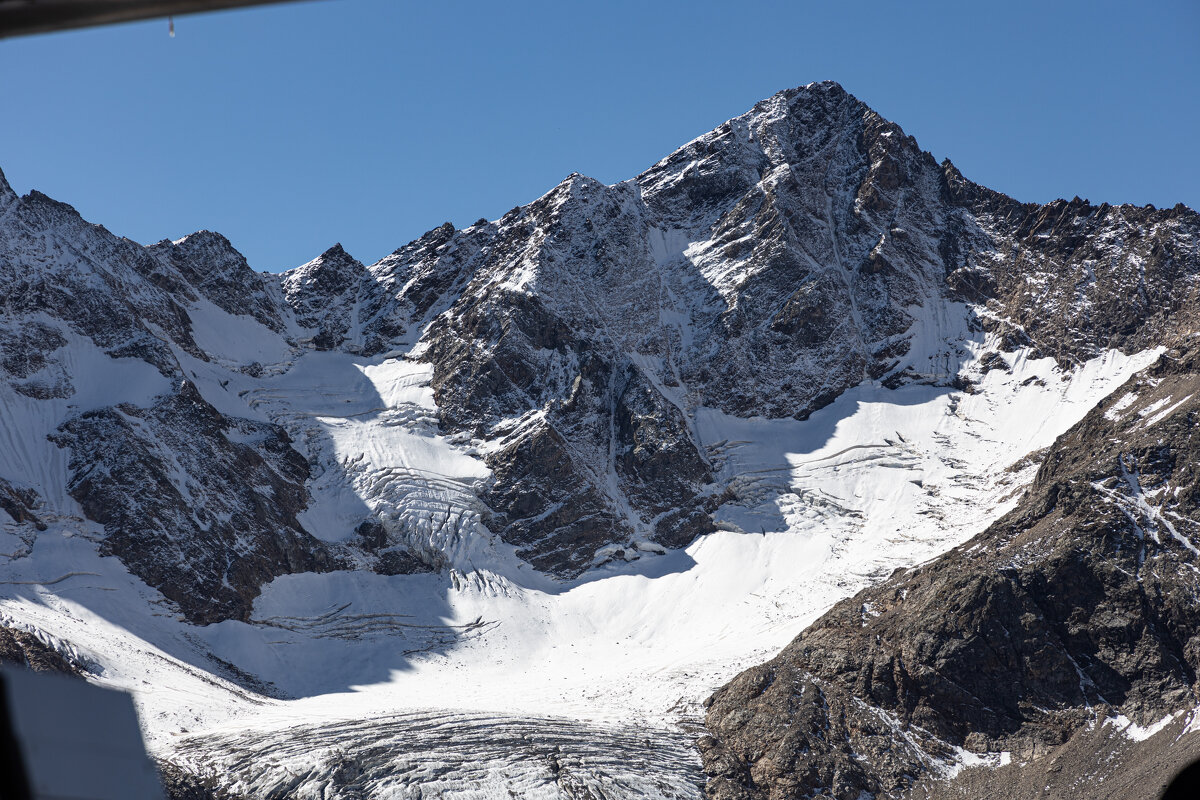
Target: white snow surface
point(233, 338)
point(877, 480)
point(1139, 733)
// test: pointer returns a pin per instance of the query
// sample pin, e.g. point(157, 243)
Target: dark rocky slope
point(214, 513)
point(1076, 606)
point(1069, 278)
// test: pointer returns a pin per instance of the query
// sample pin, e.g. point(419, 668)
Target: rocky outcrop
point(213, 517)
point(1075, 607)
point(21, 504)
point(214, 269)
point(21, 648)
point(54, 264)
point(28, 363)
point(1070, 278)
point(324, 294)
point(180, 784)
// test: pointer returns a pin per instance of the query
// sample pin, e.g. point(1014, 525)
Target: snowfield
point(479, 680)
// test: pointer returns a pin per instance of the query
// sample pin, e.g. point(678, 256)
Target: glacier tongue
point(451, 755)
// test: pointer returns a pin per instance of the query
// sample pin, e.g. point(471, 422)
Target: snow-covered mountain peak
point(213, 267)
point(651, 427)
point(207, 252)
point(336, 253)
point(329, 275)
point(324, 295)
point(578, 179)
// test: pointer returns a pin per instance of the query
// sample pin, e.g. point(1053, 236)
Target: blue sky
point(291, 127)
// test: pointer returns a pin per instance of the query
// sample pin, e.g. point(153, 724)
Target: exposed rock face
point(1074, 607)
point(181, 785)
point(553, 374)
point(819, 221)
point(1097, 763)
point(26, 361)
point(198, 504)
point(418, 282)
point(53, 263)
point(21, 504)
point(209, 535)
point(1071, 278)
point(323, 294)
point(213, 268)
